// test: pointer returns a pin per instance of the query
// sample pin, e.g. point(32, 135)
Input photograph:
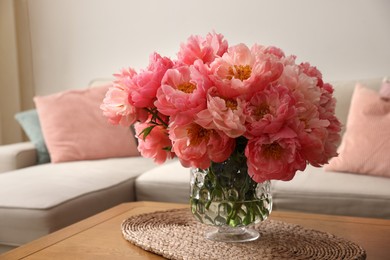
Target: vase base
point(232, 235)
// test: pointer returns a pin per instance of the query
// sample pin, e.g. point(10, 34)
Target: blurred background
point(47, 46)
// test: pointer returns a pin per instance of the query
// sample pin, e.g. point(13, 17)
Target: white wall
point(74, 41)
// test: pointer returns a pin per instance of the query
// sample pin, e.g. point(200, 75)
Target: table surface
point(100, 237)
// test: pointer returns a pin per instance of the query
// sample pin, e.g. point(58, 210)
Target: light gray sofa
point(38, 199)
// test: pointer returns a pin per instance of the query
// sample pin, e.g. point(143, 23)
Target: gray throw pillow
point(29, 121)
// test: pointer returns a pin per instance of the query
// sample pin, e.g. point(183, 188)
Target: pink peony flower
point(326, 131)
point(143, 86)
point(289, 77)
point(327, 111)
point(318, 128)
point(223, 114)
point(199, 106)
point(197, 147)
point(115, 105)
point(183, 93)
point(276, 52)
point(205, 49)
point(124, 77)
point(243, 71)
point(274, 157)
point(312, 144)
point(306, 92)
point(332, 141)
point(312, 72)
point(270, 110)
point(304, 87)
point(156, 145)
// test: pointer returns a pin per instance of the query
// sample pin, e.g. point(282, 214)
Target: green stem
point(212, 181)
point(156, 116)
point(233, 214)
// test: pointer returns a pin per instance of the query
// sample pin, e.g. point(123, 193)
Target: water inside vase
point(231, 213)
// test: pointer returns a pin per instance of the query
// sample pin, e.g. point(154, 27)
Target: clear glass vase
point(225, 197)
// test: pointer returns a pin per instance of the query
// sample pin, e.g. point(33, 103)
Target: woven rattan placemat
point(175, 234)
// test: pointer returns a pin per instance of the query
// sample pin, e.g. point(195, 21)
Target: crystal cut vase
point(225, 197)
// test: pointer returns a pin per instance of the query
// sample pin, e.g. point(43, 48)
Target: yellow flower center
point(240, 72)
point(197, 134)
point(231, 104)
point(261, 111)
point(305, 122)
point(187, 87)
point(272, 151)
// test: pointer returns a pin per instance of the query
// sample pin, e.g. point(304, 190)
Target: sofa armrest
point(17, 155)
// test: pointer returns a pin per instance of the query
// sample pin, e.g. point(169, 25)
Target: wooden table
point(100, 237)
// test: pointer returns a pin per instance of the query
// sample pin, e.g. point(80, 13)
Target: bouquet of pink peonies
point(214, 100)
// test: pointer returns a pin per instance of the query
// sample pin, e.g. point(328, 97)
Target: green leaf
point(146, 131)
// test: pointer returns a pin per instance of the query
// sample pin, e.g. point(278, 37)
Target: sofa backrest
point(343, 94)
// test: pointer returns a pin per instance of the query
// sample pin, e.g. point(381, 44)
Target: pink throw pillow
point(365, 145)
point(74, 127)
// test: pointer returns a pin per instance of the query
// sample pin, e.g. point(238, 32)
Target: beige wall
point(10, 131)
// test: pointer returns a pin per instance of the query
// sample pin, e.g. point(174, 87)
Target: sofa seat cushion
point(311, 191)
point(317, 191)
point(169, 182)
point(37, 200)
